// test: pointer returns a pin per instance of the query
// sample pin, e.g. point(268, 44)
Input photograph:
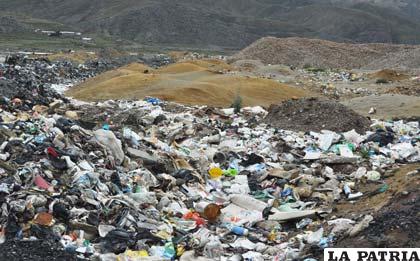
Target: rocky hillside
point(409, 8)
point(9, 24)
point(230, 23)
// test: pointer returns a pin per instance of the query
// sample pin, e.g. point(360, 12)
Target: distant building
point(64, 34)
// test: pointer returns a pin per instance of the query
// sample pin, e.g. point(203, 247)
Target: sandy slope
point(197, 82)
point(388, 106)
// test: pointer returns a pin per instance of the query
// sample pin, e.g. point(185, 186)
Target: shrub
point(379, 81)
point(237, 104)
point(313, 69)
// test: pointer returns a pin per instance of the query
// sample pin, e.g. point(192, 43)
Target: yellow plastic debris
point(132, 255)
point(215, 173)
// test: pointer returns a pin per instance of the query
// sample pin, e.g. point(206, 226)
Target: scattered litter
point(133, 180)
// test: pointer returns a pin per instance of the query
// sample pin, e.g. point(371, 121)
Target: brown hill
point(302, 52)
point(389, 75)
point(186, 82)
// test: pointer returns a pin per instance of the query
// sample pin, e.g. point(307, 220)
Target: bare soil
point(193, 83)
point(388, 106)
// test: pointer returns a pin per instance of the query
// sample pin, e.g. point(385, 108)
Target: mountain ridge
point(230, 23)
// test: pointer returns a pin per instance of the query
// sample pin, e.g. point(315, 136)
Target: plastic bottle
point(240, 231)
point(237, 230)
point(346, 189)
point(303, 223)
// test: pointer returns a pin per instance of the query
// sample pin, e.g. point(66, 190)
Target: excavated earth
point(313, 114)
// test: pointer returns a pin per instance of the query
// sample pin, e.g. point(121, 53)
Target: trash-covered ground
point(34, 250)
point(396, 222)
point(22, 75)
point(151, 180)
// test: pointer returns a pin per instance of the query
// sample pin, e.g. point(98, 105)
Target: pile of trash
point(44, 71)
point(36, 80)
point(150, 180)
point(324, 75)
point(313, 114)
point(155, 60)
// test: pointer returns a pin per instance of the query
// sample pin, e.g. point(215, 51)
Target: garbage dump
point(152, 180)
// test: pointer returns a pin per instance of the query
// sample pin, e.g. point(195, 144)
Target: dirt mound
point(303, 52)
point(389, 75)
point(194, 82)
point(315, 115)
